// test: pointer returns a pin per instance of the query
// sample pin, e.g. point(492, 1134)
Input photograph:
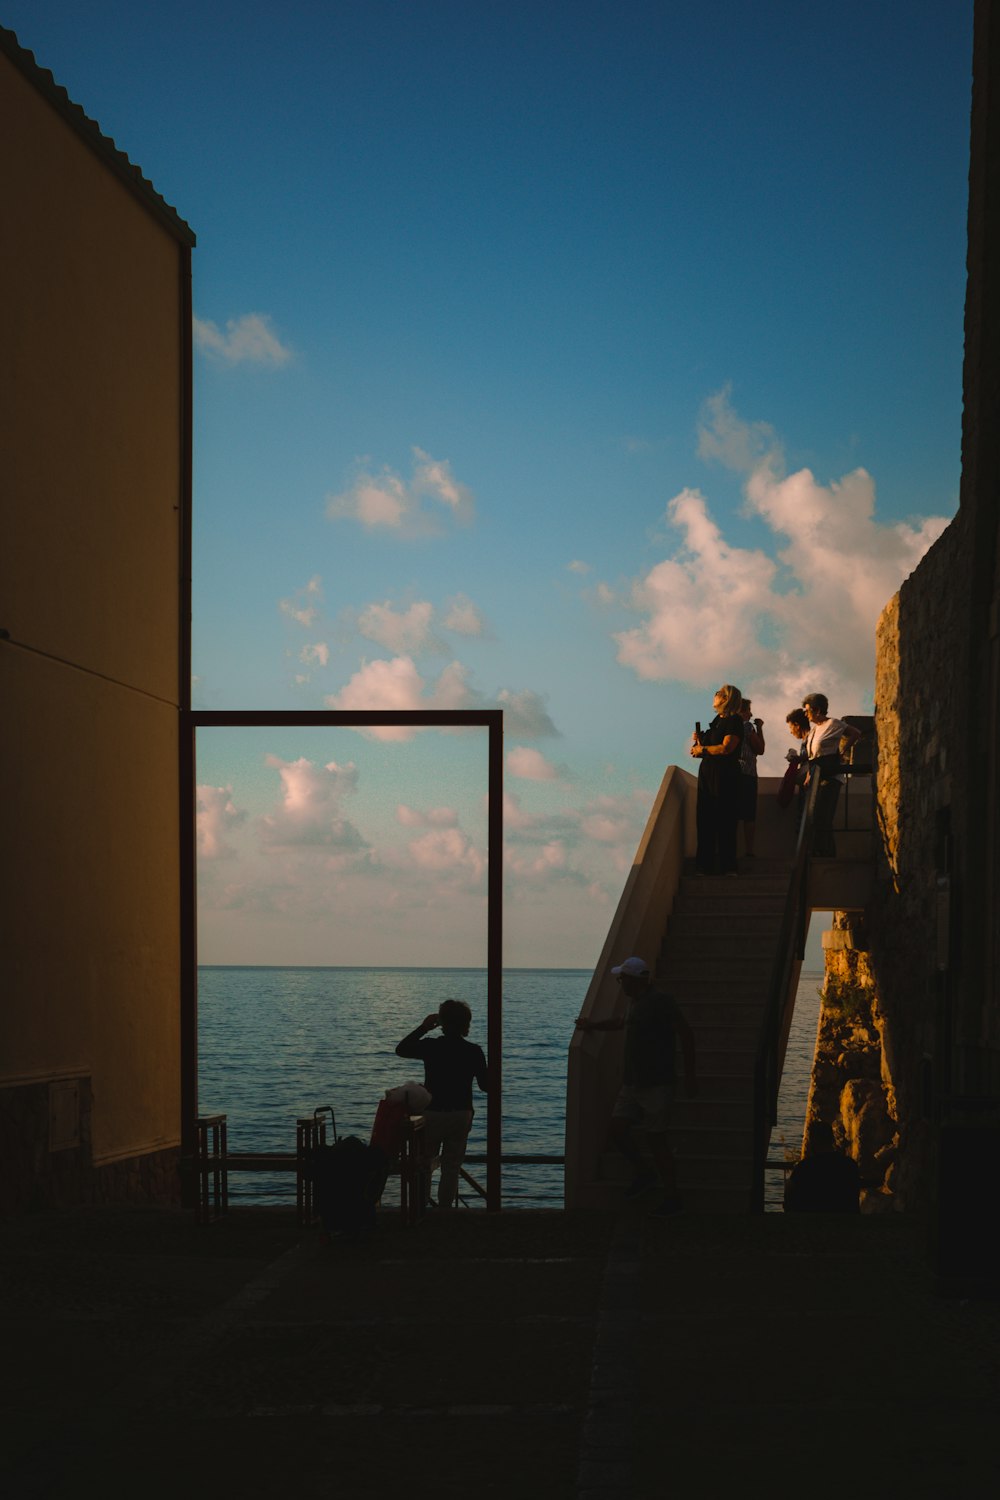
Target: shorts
point(747, 799)
point(648, 1107)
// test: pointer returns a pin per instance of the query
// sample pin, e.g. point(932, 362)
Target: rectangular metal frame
point(191, 720)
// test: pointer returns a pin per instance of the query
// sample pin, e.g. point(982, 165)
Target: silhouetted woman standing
point(718, 750)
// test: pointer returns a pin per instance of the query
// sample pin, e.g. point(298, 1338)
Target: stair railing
point(594, 1066)
point(791, 946)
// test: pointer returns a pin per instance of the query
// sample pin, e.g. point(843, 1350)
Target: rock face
point(851, 1095)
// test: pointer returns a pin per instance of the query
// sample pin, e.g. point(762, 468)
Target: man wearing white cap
point(653, 1025)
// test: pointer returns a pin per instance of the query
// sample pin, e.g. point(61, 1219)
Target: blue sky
point(576, 357)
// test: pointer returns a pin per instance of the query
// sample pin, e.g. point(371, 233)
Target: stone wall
point(883, 1047)
point(852, 1097)
point(922, 713)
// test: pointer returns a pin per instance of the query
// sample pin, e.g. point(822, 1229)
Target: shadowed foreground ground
point(530, 1354)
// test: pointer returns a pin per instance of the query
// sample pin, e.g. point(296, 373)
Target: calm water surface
point(276, 1043)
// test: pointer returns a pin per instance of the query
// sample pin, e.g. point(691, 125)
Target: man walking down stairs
point(653, 1027)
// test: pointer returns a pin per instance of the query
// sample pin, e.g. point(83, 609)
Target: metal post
point(188, 963)
point(193, 719)
point(494, 975)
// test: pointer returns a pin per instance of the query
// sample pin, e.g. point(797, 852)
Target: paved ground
point(533, 1354)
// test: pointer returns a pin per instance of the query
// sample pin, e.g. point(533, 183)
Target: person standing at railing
point(753, 745)
point(653, 1026)
point(798, 760)
point(718, 807)
point(823, 746)
point(450, 1065)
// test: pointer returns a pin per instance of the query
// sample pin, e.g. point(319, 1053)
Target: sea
point(275, 1044)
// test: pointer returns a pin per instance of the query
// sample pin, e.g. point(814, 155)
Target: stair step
point(701, 1011)
point(725, 1063)
point(704, 1113)
point(728, 888)
point(715, 986)
point(751, 940)
point(730, 902)
point(720, 967)
point(716, 1086)
point(711, 1142)
point(694, 925)
point(736, 1041)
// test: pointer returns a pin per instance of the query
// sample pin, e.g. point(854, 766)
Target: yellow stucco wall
point(91, 468)
point(90, 405)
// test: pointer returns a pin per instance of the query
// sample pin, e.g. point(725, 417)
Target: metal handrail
point(793, 927)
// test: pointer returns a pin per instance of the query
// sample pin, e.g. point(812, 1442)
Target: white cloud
point(846, 564)
point(576, 566)
point(531, 765)
point(741, 446)
point(463, 617)
point(397, 685)
point(515, 819)
point(447, 851)
point(385, 502)
point(433, 477)
point(604, 827)
point(402, 631)
point(433, 817)
point(319, 653)
point(215, 815)
point(310, 814)
point(715, 612)
point(701, 606)
point(247, 340)
point(302, 606)
point(525, 715)
point(540, 864)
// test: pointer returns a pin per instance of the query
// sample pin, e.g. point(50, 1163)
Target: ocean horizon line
point(415, 968)
point(438, 968)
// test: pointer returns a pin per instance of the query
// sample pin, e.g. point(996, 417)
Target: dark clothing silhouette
point(718, 808)
point(450, 1065)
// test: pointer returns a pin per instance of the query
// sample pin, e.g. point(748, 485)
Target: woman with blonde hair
point(718, 749)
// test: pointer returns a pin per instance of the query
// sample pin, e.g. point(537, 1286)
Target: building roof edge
point(90, 132)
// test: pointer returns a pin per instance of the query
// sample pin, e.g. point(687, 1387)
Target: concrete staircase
point(716, 960)
point(714, 942)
